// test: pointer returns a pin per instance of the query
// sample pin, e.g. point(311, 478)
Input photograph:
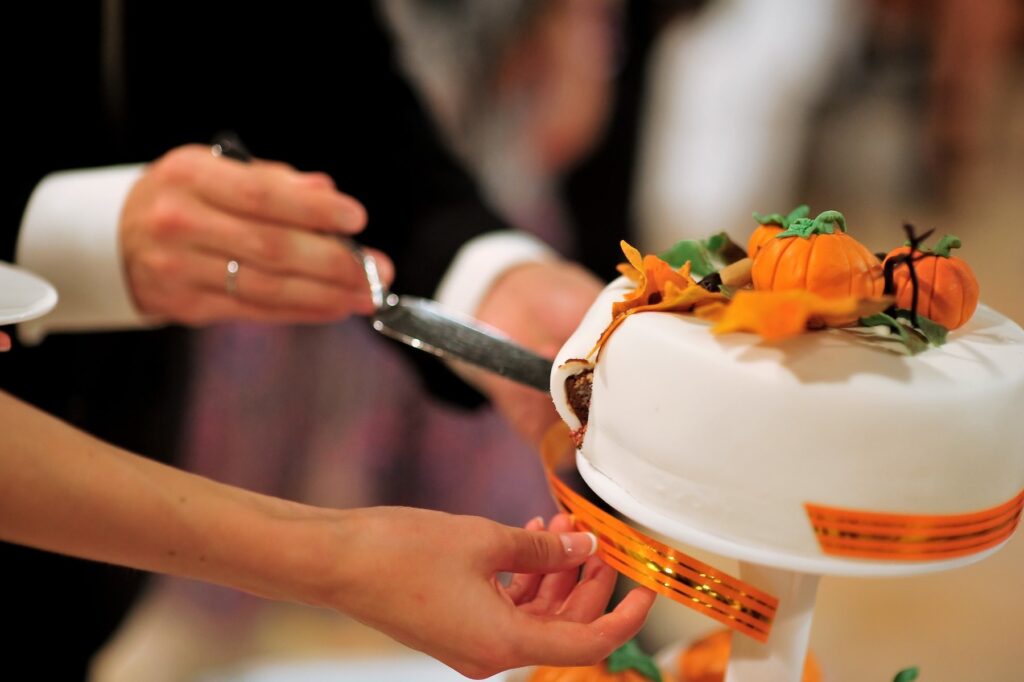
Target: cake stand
point(791, 577)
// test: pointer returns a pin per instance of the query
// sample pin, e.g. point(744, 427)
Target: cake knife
point(424, 324)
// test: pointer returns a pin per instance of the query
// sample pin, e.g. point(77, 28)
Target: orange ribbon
point(665, 570)
point(907, 537)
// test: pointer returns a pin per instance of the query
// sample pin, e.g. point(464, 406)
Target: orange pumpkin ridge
point(820, 257)
point(961, 290)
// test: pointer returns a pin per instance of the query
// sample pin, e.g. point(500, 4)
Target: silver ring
point(378, 293)
point(231, 278)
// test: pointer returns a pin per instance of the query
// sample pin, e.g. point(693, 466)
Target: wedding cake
point(809, 442)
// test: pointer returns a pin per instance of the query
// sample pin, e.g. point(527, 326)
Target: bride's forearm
point(64, 491)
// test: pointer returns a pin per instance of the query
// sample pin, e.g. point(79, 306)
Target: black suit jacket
point(315, 88)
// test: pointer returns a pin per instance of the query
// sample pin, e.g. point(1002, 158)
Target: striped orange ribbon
point(907, 537)
point(665, 570)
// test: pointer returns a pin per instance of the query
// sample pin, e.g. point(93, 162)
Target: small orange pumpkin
point(761, 235)
point(707, 659)
point(818, 256)
point(589, 673)
point(948, 291)
point(770, 225)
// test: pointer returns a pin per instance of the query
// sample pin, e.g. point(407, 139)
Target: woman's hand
point(191, 214)
point(427, 579)
point(430, 581)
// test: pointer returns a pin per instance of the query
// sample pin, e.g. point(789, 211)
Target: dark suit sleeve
point(422, 205)
point(367, 127)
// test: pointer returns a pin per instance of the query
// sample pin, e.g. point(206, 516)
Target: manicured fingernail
point(579, 544)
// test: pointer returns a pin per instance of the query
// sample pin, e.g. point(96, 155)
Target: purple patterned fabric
point(335, 416)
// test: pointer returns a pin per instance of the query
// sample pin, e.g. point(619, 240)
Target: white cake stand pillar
point(781, 658)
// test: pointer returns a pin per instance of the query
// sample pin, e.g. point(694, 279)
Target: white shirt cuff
point(479, 264)
point(69, 236)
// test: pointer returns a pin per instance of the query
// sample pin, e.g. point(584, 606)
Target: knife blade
point(426, 325)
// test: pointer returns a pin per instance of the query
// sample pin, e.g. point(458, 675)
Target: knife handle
point(228, 144)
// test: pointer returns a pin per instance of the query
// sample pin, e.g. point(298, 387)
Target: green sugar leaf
point(801, 211)
point(723, 249)
point(827, 222)
point(772, 219)
point(946, 244)
point(705, 256)
point(631, 656)
point(689, 250)
point(913, 340)
point(783, 221)
point(934, 332)
point(906, 675)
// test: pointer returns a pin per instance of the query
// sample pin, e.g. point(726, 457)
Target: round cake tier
point(734, 436)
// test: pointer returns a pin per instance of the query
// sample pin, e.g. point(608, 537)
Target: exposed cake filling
point(578, 388)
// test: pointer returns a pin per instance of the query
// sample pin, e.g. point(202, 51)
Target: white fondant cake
point(733, 435)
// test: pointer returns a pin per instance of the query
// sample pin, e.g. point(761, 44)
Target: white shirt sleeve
point(69, 236)
point(481, 261)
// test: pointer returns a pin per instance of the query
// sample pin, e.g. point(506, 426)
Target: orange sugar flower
point(659, 287)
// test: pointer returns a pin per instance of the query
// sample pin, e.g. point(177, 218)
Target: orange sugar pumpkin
point(948, 291)
point(707, 659)
point(818, 256)
point(590, 673)
point(770, 225)
point(761, 235)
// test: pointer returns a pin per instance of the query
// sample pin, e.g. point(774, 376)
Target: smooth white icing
point(733, 435)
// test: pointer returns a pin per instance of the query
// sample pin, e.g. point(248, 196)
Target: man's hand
point(191, 214)
point(539, 305)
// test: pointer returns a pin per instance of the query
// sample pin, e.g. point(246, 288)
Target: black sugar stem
point(914, 241)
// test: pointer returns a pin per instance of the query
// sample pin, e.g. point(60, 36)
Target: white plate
point(23, 296)
point(402, 668)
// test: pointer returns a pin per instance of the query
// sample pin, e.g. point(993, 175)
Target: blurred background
point(587, 121)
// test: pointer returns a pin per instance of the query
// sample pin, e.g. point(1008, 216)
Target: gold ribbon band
point(912, 537)
point(657, 566)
